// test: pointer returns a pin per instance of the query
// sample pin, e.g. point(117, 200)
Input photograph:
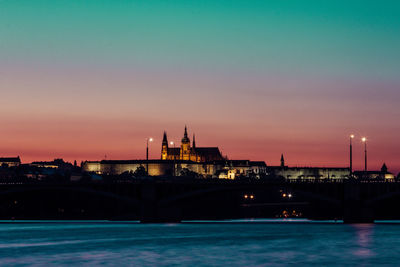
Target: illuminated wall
point(161, 167)
point(309, 173)
point(155, 168)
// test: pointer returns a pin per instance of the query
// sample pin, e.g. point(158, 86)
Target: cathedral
point(189, 153)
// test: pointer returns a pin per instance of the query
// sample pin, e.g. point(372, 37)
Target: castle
point(189, 153)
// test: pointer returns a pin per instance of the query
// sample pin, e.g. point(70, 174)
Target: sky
point(92, 79)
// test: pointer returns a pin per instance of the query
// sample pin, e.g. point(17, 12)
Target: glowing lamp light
point(246, 196)
point(352, 136)
point(251, 196)
point(171, 143)
point(151, 139)
point(290, 195)
point(364, 139)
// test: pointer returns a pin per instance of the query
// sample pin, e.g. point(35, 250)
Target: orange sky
point(81, 80)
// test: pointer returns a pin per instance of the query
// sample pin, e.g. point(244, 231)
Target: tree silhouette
point(140, 172)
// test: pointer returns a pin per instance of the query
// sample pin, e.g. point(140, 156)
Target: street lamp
point(351, 155)
point(364, 140)
point(173, 170)
point(147, 153)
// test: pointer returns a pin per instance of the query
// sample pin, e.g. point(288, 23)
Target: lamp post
point(173, 169)
point(351, 155)
point(364, 140)
point(147, 153)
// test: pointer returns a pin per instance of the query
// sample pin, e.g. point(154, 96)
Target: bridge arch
point(202, 192)
point(387, 196)
point(85, 190)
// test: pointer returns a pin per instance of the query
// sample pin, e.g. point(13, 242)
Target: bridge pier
point(151, 212)
point(355, 209)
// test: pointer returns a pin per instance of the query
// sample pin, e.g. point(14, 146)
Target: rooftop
point(10, 159)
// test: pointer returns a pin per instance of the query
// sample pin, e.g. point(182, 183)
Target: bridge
point(173, 200)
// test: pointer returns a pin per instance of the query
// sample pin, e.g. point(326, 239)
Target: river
point(234, 243)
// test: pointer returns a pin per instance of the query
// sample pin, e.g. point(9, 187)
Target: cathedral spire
point(282, 161)
point(164, 147)
point(194, 142)
point(185, 135)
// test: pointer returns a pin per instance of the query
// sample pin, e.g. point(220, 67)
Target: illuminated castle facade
point(187, 152)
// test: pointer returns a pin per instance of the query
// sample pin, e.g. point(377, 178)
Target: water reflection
point(364, 233)
point(234, 243)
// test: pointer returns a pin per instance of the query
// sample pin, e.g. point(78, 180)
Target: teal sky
point(320, 37)
point(279, 76)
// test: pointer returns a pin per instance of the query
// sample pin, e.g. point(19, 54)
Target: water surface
point(235, 243)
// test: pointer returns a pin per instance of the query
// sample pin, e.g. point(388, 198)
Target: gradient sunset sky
point(85, 79)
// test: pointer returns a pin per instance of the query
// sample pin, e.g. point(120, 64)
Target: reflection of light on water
point(363, 240)
point(255, 220)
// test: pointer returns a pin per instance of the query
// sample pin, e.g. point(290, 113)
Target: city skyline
point(255, 79)
point(176, 142)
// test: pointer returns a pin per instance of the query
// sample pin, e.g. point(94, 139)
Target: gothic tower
point(185, 147)
point(164, 147)
point(193, 155)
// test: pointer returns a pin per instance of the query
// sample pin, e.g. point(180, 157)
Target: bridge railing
point(342, 180)
point(336, 180)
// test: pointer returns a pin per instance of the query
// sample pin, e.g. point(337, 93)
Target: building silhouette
point(377, 175)
point(307, 173)
point(10, 162)
point(187, 152)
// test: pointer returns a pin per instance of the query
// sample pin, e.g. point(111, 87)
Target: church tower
point(384, 168)
point(185, 147)
point(164, 147)
point(282, 161)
